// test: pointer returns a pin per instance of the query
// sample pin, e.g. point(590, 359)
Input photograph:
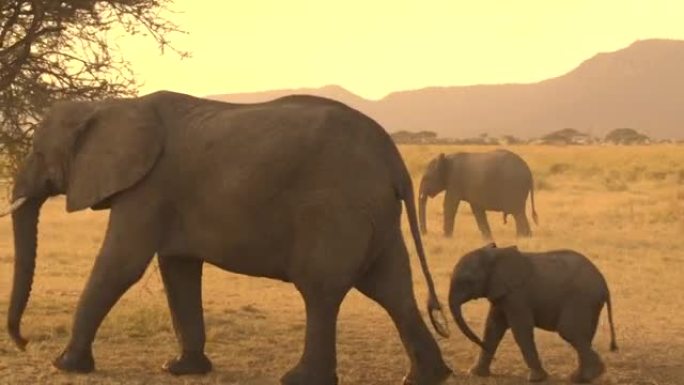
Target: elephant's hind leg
point(522, 225)
point(318, 363)
point(388, 282)
point(182, 277)
point(577, 326)
point(328, 254)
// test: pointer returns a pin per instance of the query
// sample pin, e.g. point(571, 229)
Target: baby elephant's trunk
point(455, 303)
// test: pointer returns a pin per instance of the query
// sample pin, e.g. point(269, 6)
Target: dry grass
point(622, 206)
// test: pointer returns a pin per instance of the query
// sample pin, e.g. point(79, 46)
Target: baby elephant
point(556, 290)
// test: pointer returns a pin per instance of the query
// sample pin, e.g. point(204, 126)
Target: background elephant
point(557, 290)
point(300, 189)
point(498, 180)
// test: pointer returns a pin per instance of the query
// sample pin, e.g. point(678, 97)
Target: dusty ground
point(622, 206)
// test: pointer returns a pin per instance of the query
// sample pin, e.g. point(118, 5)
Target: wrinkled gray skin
point(498, 180)
point(557, 290)
point(300, 189)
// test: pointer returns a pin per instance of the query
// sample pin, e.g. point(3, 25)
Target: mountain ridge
point(640, 86)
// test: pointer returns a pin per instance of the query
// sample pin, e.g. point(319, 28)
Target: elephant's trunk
point(455, 305)
point(25, 225)
point(422, 203)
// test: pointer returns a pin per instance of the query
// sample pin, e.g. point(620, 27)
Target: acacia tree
point(52, 50)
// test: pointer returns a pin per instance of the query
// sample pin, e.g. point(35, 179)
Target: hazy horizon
point(375, 49)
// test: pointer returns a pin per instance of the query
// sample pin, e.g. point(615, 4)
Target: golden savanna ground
point(621, 206)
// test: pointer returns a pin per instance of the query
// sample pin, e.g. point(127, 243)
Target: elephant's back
point(299, 143)
point(511, 164)
point(571, 271)
point(498, 180)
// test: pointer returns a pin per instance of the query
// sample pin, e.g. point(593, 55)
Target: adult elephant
point(498, 180)
point(300, 189)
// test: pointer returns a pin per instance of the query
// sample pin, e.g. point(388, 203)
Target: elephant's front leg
point(126, 252)
point(182, 277)
point(522, 324)
point(495, 329)
point(451, 203)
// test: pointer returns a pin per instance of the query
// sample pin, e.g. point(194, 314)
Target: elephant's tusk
point(15, 205)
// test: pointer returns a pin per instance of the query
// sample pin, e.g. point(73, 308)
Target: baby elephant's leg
point(578, 326)
point(590, 364)
point(522, 325)
point(495, 329)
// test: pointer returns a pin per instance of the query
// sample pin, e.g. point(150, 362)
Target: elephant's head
point(89, 151)
point(489, 272)
point(433, 182)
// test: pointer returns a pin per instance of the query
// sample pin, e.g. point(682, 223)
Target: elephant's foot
point(299, 376)
point(480, 370)
point(537, 375)
point(75, 362)
point(449, 380)
point(188, 363)
point(445, 377)
point(588, 373)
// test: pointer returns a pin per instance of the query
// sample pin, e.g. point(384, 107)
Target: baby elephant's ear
point(509, 270)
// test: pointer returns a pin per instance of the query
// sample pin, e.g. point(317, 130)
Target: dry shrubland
point(621, 206)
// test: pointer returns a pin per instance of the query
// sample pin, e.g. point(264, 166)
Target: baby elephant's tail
point(613, 345)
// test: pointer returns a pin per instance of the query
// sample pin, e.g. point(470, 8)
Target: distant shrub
point(657, 175)
point(541, 183)
point(627, 136)
point(510, 139)
point(559, 168)
point(567, 136)
point(414, 137)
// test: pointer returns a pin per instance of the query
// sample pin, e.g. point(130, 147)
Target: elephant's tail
point(434, 308)
point(535, 218)
point(613, 344)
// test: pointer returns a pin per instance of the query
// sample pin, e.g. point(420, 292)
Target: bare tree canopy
point(52, 50)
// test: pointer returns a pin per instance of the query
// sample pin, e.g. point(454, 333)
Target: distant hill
point(641, 86)
point(331, 91)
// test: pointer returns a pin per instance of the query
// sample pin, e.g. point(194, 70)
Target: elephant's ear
point(509, 270)
point(441, 161)
point(442, 166)
point(116, 147)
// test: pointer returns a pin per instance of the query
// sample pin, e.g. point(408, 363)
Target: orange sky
point(376, 47)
